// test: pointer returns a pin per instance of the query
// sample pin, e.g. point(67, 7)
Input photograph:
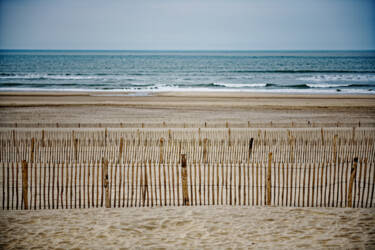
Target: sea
point(144, 72)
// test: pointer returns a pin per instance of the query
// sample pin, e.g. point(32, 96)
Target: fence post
point(32, 151)
point(353, 134)
point(229, 132)
point(120, 149)
point(76, 150)
point(106, 182)
point(161, 151)
point(352, 177)
point(334, 149)
point(250, 148)
point(24, 185)
point(204, 150)
point(185, 194)
point(269, 179)
point(43, 145)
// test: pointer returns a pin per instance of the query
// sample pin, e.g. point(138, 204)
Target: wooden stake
point(165, 185)
point(204, 151)
point(132, 185)
point(58, 186)
point(66, 184)
point(191, 184)
point(120, 149)
point(24, 185)
point(195, 184)
point(200, 184)
point(3, 165)
point(32, 151)
point(229, 142)
point(269, 179)
point(217, 183)
point(48, 185)
point(373, 188)
point(151, 193)
point(105, 177)
point(185, 193)
point(352, 177)
point(53, 185)
point(359, 182)
point(161, 151)
point(250, 149)
point(17, 186)
point(208, 184)
point(84, 184)
point(119, 187)
point(239, 183)
point(257, 184)
point(313, 185)
point(13, 185)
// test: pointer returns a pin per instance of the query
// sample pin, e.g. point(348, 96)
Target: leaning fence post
point(185, 194)
point(24, 185)
point(106, 184)
point(352, 177)
point(269, 179)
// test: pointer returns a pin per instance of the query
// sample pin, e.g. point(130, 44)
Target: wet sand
point(189, 227)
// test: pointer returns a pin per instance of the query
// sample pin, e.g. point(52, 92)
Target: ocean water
point(154, 71)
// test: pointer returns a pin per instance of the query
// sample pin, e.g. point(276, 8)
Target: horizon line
point(193, 50)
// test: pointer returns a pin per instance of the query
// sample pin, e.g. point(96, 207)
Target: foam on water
point(339, 78)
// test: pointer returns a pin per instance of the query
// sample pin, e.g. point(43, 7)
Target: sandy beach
point(187, 227)
point(203, 227)
point(187, 124)
point(183, 107)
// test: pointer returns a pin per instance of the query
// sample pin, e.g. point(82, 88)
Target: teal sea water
point(151, 71)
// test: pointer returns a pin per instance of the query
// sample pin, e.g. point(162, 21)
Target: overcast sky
point(187, 24)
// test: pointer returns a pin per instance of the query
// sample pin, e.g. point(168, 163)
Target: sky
point(188, 24)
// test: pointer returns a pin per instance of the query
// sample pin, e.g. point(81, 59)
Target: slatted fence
point(85, 168)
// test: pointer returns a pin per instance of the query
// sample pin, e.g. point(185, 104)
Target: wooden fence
point(83, 168)
point(248, 124)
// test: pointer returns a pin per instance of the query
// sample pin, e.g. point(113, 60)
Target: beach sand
point(187, 227)
point(188, 107)
point(207, 227)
